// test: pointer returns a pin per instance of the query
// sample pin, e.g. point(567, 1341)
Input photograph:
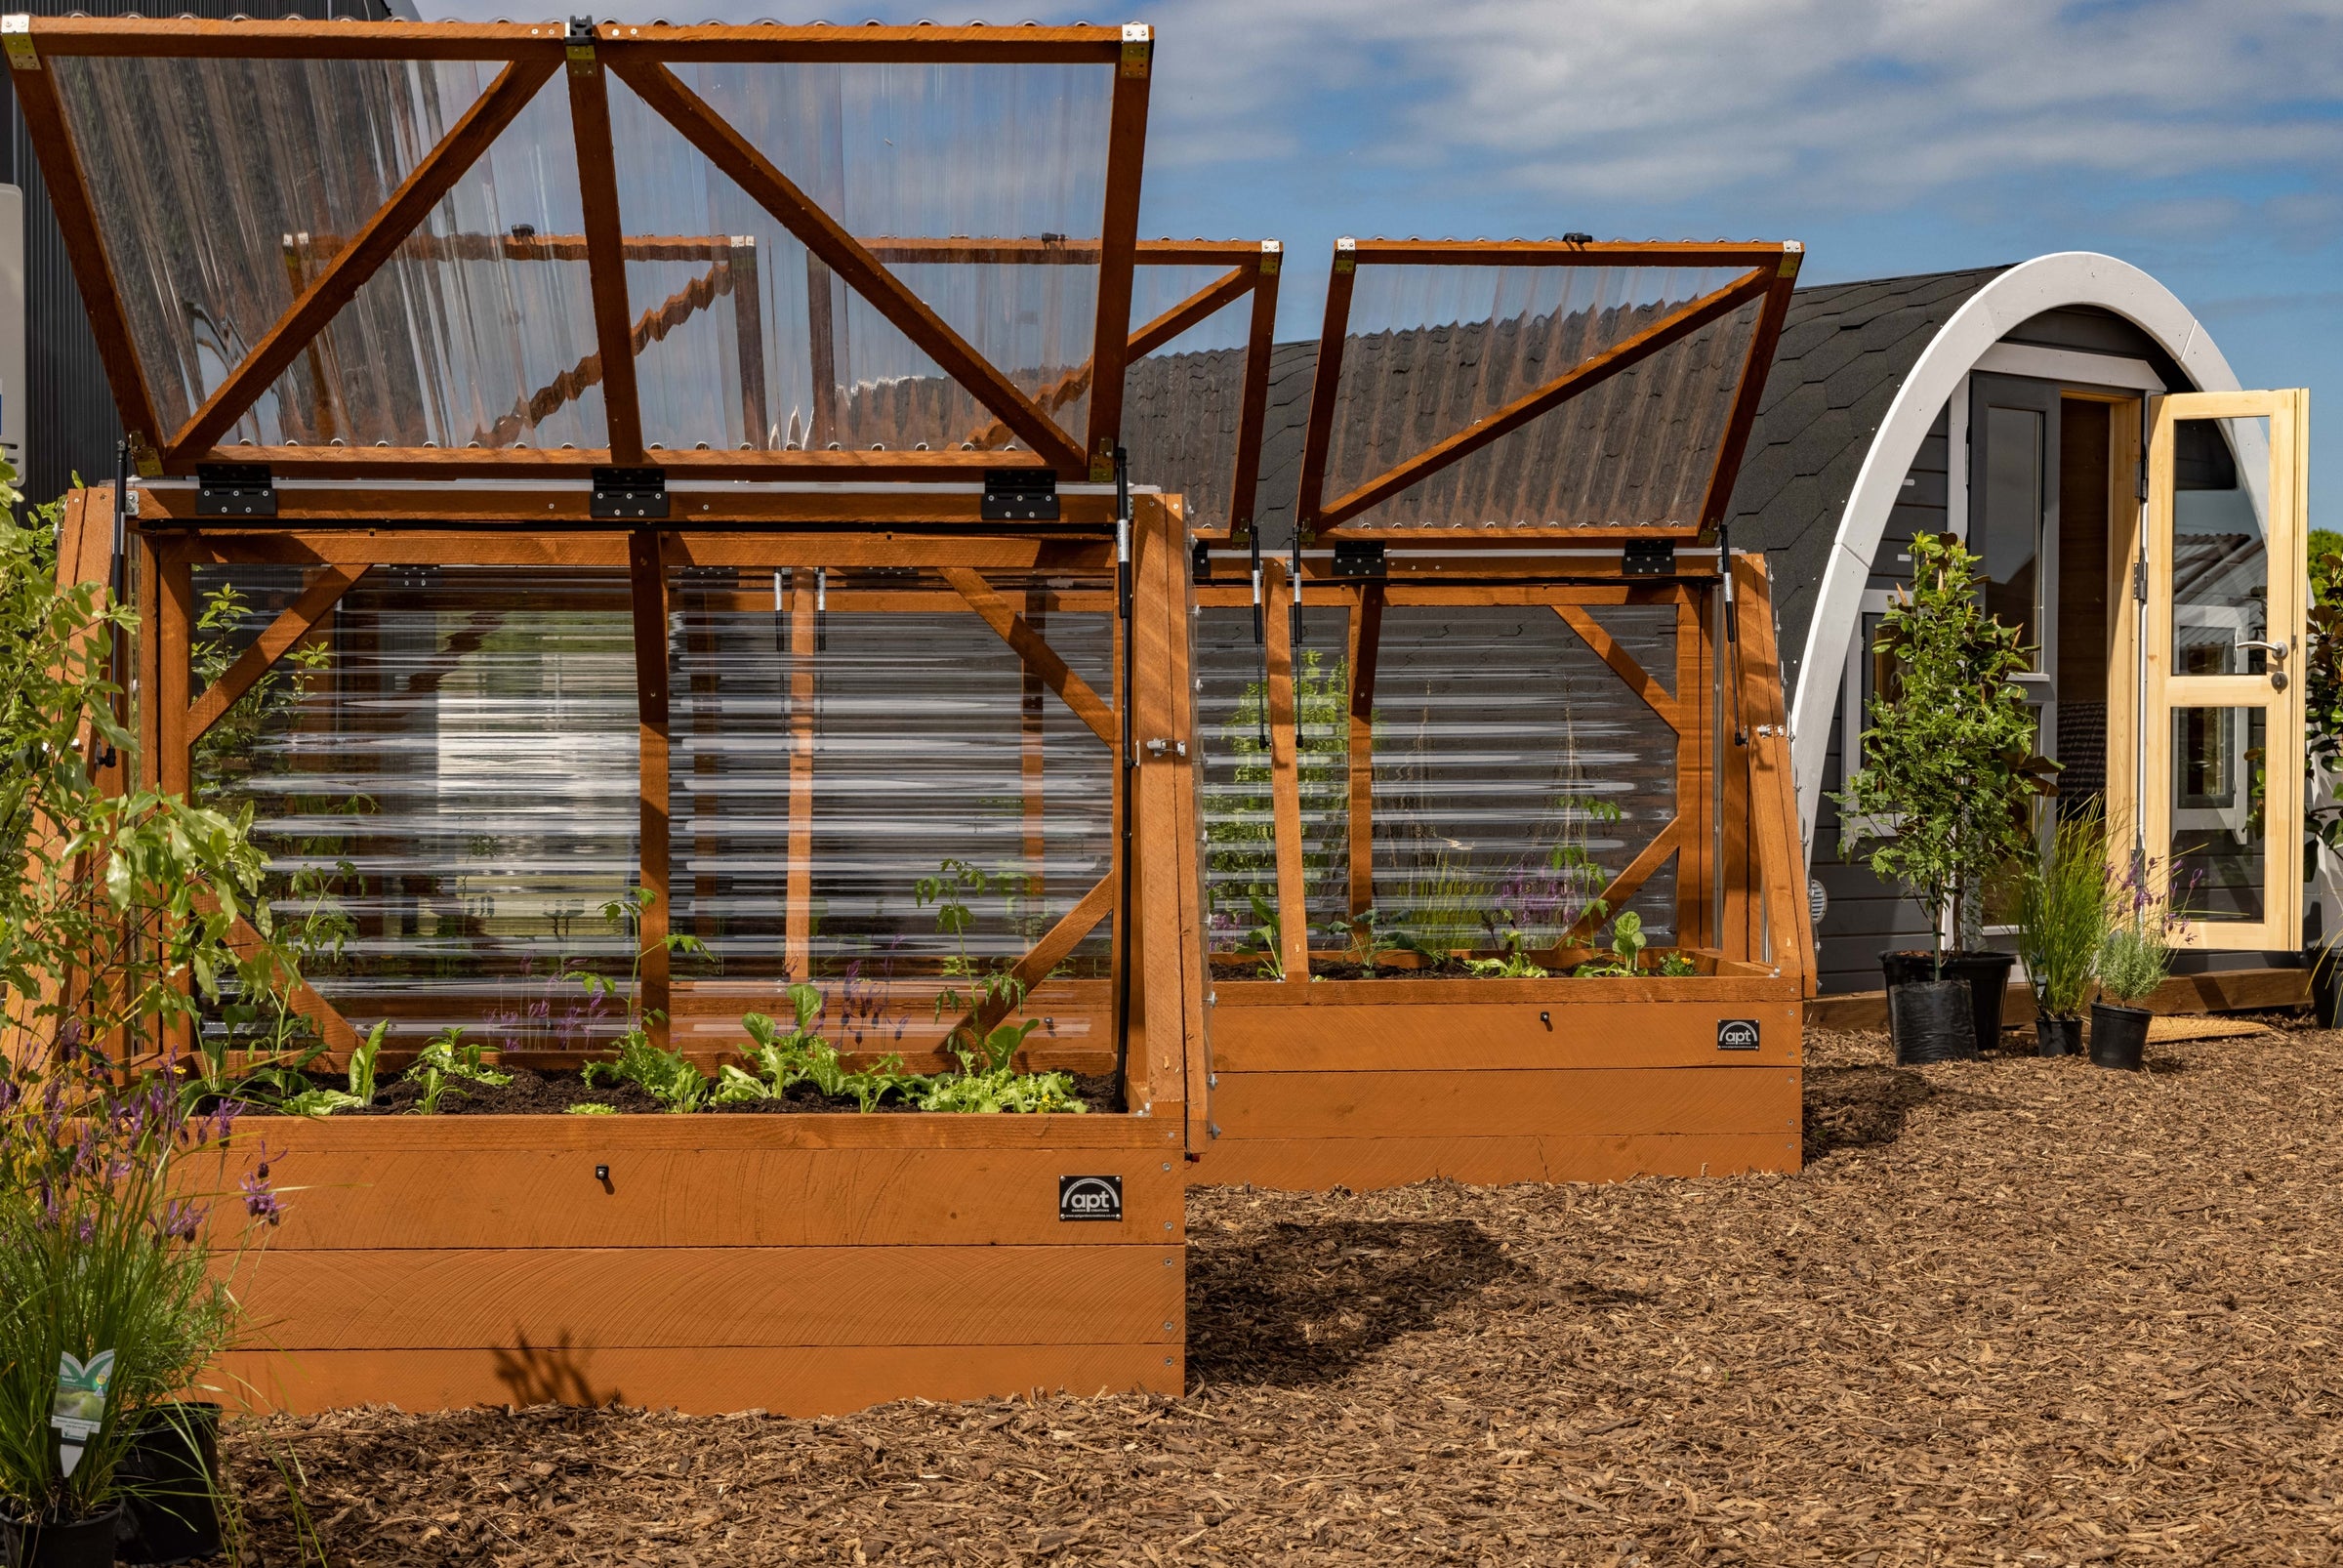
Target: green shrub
point(2062, 913)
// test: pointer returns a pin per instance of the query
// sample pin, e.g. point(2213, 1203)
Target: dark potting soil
point(1230, 969)
point(536, 1094)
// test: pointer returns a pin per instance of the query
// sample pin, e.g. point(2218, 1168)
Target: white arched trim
point(2025, 291)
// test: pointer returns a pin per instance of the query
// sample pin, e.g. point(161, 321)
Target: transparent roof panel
point(222, 185)
point(1182, 406)
point(1432, 349)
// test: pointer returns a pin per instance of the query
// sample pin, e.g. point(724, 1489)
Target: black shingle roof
point(1845, 351)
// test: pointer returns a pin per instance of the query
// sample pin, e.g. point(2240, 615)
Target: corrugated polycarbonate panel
point(223, 186)
point(1183, 403)
point(1432, 349)
point(456, 770)
point(915, 745)
point(1515, 773)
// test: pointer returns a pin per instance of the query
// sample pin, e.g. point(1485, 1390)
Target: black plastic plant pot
point(2057, 1037)
point(82, 1543)
point(1986, 976)
point(171, 1469)
point(2118, 1036)
point(1931, 1020)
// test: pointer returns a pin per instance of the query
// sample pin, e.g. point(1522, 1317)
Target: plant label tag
point(1089, 1197)
point(80, 1408)
point(1737, 1034)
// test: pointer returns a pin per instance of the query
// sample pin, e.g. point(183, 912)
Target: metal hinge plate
point(1360, 560)
point(1020, 495)
point(1648, 558)
point(234, 490)
point(1138, 48)
point(629, 495)
point(16, 32)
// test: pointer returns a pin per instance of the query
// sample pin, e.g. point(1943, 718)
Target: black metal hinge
point(629, 495)
point(1200, 562)
point(234, 490)
point(1360, 560)
point(1020, 495)
point(1648, 558)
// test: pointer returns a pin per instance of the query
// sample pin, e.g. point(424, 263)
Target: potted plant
point(2062, 915)
point(116, 908)
point(1949, 772)
point(2134, 957)
point(2322, 765)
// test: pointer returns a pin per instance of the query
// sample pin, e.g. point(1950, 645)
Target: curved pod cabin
point(1502, 857)
point(629, 479)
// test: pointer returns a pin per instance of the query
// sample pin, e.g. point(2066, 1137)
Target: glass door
point(2221, 680)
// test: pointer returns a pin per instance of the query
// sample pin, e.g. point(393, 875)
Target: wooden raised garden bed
point(1497, 741)
point(719, 611)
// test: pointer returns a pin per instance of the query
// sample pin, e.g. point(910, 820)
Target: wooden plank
point(339, 281)
point(610, 1136)
point(821, 326)
point(1180, 687)
point(1037, 654)
point(1365, 641)
point(323, 591)
point(175, 632)
point(748, 337)
point(1587, 374)
point(1570, 252)
point(373, 1200)
point(424, 1299)
point(1252, 412)
point(1325, 382)
point(1507, 1102)
point(69, 196)
point(1622, 664)
point(1366, 1165)
point(453, 547)
point(1749, 983)
point(844, 255)
point(696, 1381)
point(188, 38)
point(605, 259)
point(803, 693)
point(647, 579)
point(1396, 1036)
point(1284, 777)
point(1622, 888)
point(1158, 948)
point(1119, 224)
point(1777, 852)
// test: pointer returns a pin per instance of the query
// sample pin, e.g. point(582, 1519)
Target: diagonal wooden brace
point(325, 589)
point(1039, 656)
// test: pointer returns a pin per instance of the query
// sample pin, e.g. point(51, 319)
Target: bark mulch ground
point(2013, 1311)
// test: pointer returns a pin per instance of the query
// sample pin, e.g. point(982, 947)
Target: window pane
point(2220, 550)
point(2218, 847)
point(2013, 518)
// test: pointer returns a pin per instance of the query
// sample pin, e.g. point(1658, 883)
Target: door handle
point(2277, 660)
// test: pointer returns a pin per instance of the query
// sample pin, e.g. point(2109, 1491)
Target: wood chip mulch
point(2013, 1311)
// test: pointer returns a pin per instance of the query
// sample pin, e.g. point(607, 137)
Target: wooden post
point(1778, 861)
point(748, 327)
point(1696, 702)
point(175, 761)
point(822, 350)
point(1365, 641)
point(798, 962)
point(1729, 754)
point(647, 569)
point(1033, 692)
point(1284, 778)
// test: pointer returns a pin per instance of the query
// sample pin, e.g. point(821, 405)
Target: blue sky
point(2201, 140)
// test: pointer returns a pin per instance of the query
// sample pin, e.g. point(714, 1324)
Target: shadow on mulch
point(1299, 1304)
point(1859, 1107)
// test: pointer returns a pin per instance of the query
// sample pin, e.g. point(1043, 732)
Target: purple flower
point(261, 1199)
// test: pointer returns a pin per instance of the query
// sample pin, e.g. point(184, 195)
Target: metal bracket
point(234, 490)
point(1200, 562)
point(1020, 495)
point(16, 32)
point(1346, 255)
point(1273, 256)
point(1360, 560)
point(1648, 558)
point(1138, 48)
point(629, 495)
point(578, 45)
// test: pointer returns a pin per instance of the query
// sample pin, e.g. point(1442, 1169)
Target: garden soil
point(2013, 1311)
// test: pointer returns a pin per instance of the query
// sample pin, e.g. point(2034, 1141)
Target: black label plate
point(1737, 1034)
point(1089, 1197)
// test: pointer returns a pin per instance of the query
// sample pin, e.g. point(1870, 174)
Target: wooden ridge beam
point(1126, 156)
point(1641, 253)
point(318, 597)
point(374, 244)
point(1038, 655)
point(605, 253)
point(821, 234)
point(1671, 328)
point(1749, 391)
point(1622, 664)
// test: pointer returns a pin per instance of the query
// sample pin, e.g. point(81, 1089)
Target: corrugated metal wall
point(72, 425)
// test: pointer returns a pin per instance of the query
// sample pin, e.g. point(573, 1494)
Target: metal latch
point(1020, 495)
point(1648, 558)
point(1361, 560)
point(234, 490)
point(628, 495)
point(1159, 746)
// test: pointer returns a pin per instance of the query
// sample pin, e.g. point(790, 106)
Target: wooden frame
point(922, 1255)
point(2166, 691)
point(642, 56)
point(1769, 274)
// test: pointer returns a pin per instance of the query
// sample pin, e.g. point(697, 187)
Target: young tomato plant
point(666, 1076)
point(450, 1059)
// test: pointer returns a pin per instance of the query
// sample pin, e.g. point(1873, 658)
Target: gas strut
point(1260, 631)
point(1129, 763)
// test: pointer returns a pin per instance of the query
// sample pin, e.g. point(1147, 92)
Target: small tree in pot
point(1949, 772)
